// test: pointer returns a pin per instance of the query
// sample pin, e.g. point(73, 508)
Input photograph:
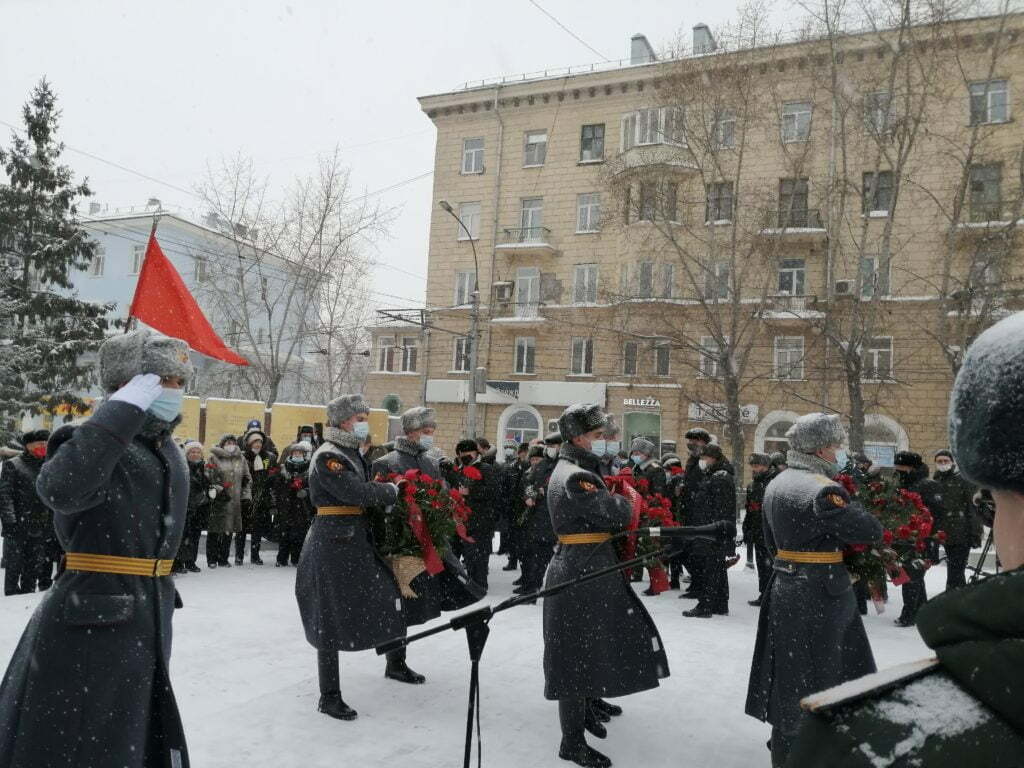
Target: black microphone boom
point(723, 530)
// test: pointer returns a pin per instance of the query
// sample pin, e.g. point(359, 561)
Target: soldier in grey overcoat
point(348, 597)
point(810, 634)
point(88, 683)
point(599, 639)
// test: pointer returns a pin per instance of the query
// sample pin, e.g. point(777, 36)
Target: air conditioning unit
point(844, 288)
point(503, 291)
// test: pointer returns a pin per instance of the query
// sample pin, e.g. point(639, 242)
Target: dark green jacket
point(967, 709)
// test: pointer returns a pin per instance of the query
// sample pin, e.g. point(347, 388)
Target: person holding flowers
point(913, 475)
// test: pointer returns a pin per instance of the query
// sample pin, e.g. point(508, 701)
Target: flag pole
point(130, 322)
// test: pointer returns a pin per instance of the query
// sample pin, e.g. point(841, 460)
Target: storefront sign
point(641, 402)
point(717, 412)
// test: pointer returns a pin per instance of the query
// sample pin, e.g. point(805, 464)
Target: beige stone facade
point(577, 242)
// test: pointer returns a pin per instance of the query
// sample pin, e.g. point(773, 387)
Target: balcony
point(518, 314)
point(795, 224)
point(526, 241)
point(641, 160)
point(787, 309)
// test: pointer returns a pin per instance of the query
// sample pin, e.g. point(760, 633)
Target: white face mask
point(600, 447)
point(704, 465)
point(426, 442)
point(361, 429)
point(943, 467)
point(552, 452)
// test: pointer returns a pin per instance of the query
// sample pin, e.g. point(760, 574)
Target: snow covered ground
point(246, 683)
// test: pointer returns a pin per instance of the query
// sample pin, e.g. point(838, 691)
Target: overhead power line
point(572, 34)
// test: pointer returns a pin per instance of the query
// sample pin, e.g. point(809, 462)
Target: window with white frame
point(874, 276)
point(525, 354)
point(584, 284)
point(789, 357)
point(527, 291)
point(463, 287)
point(709, 364)
point(878, 113)
point(719, 202)
point(877, 364)
point(98, 262)
point(470, 215)
point(645, 280)
point(535, 148)
point(990, 102)
point(673, 125)
point(473, 155)
point(582, 362)
point(588, 212)
point(410, 353)
point(725, 129)
point(662, 357)
point(592, 143)
point(201, 269)
point(716, 280)
point(630, 357)
point(652, 125)
point(796, 121)
point(667, 281)
point(386, 353)
point(461, 351)
point(986, 197)
point(791, 277)
point(877, 192)
point(531, 219)
point(138, 256)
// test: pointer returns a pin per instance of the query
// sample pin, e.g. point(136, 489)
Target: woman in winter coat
point(230, 476)
point(259, 512)
point(199, 499)
point(294, 508)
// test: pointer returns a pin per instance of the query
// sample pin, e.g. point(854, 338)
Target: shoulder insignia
point(334, 465)
point(587, 486)
point(835, 500)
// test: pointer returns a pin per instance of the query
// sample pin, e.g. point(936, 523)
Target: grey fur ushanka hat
point(815, 431)
point(579, 419)
point(142, 351)
point(418, 418)
point(343, 408)
point(642, 445)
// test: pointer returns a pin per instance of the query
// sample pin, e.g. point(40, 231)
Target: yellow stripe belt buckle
point(126, 566)
point(584, 538)
point(823, 558)
point(348, 511)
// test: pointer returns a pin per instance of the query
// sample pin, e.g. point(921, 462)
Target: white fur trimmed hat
point(815, 431)
point(142, 351)
point(343, 408)
point(418, 418)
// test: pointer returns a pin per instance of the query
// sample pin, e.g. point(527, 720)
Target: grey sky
point(161, 87)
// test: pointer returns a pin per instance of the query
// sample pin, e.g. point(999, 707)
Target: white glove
point(142, 391)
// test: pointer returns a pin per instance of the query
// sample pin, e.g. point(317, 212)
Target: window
point(789, 357)
point(386, 353)
point(582, 356)
point(791, 277)
point(527, 296)
point(670, 204)
point(470, 215)
point(793, 202)
point(878, 113)
point(138, 256)
point(261, 335)
point(473, 155)
point(461, 348)
point(648, 200)
point(584, 287)
point(877, 192)
point(463, 287)
point(983, 273)
point(662, 357)
point(536, 148)
point(708, 367)
point(521, 427)
point(668, 281)
point(719, 203)
point(624, 287)
point(531, 220)
point(201, 268)
point(592, 143)
point(97, 263)
point(985, 184)
point(588, 212)
point(775, 438)
point(796, 121)
point(872, 278)
point(648, 126)
point(716, 281)
point(725, 129)
point(878, 359)
point(410, 353)
point(525, 354)
point(645, 279)
point(630, 356)
point(653, 125)
point(674, 126)
point(990, 102)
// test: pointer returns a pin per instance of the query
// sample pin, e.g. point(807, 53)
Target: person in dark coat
point(294, 509)
point(232, 482)
point(697, 440)
point(307, 434)
point(539, 540)
point(599, 640)
point(258, 513)
point(348, 597)
point(960, 518)
point(714, 501)
point(25, 521)
point(913, 476)
point(810, 635)
point(477, 480)
point(753, 527)
point(88, 683)
point(199, 499)
point(512, 506)
point(962, 707)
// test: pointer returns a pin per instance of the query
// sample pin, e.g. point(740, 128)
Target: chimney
point(640, 51)
point(703, 40)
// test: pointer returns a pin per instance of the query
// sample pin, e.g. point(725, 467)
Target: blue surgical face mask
point(600, 447)
point(426, 442)
point(637, 458)
point(613, 446)
point(842, 457)
point(361, 429)
point(167, 407)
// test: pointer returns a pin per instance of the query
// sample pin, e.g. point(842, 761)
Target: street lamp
point(474, 324)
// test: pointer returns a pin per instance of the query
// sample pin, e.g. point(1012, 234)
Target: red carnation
point(876, 487)
point(941, 536)
point(227, 484)
point(412, 474)
point(903, 532)
point(925, 529)
point(472, 473)
point(919, 546)
point(887, 537)
point(847, 482)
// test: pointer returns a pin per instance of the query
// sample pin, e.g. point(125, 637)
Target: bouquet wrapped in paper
point(649, 511)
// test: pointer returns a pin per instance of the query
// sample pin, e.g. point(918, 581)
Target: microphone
point(723, 530)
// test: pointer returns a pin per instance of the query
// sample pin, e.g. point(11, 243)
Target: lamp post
point(473, 326)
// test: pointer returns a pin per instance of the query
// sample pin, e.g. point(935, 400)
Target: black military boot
point(329, 673)
point(397, 669)
point(332, 705)
point(573, 717)
point(583, 754)
point(614, 710)
point(254, 555)
point(594, 724)
point(699, 612)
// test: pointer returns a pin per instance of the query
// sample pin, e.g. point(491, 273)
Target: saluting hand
point(142, 391)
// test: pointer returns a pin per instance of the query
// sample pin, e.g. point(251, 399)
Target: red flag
point(163, 302)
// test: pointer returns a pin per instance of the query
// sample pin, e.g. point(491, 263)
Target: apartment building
point(667, 237)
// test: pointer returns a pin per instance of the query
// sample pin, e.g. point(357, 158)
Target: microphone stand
point(476, 622)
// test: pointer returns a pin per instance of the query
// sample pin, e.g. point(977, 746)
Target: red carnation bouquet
point(908, 534)
point(649, 511)
point(419, 527)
